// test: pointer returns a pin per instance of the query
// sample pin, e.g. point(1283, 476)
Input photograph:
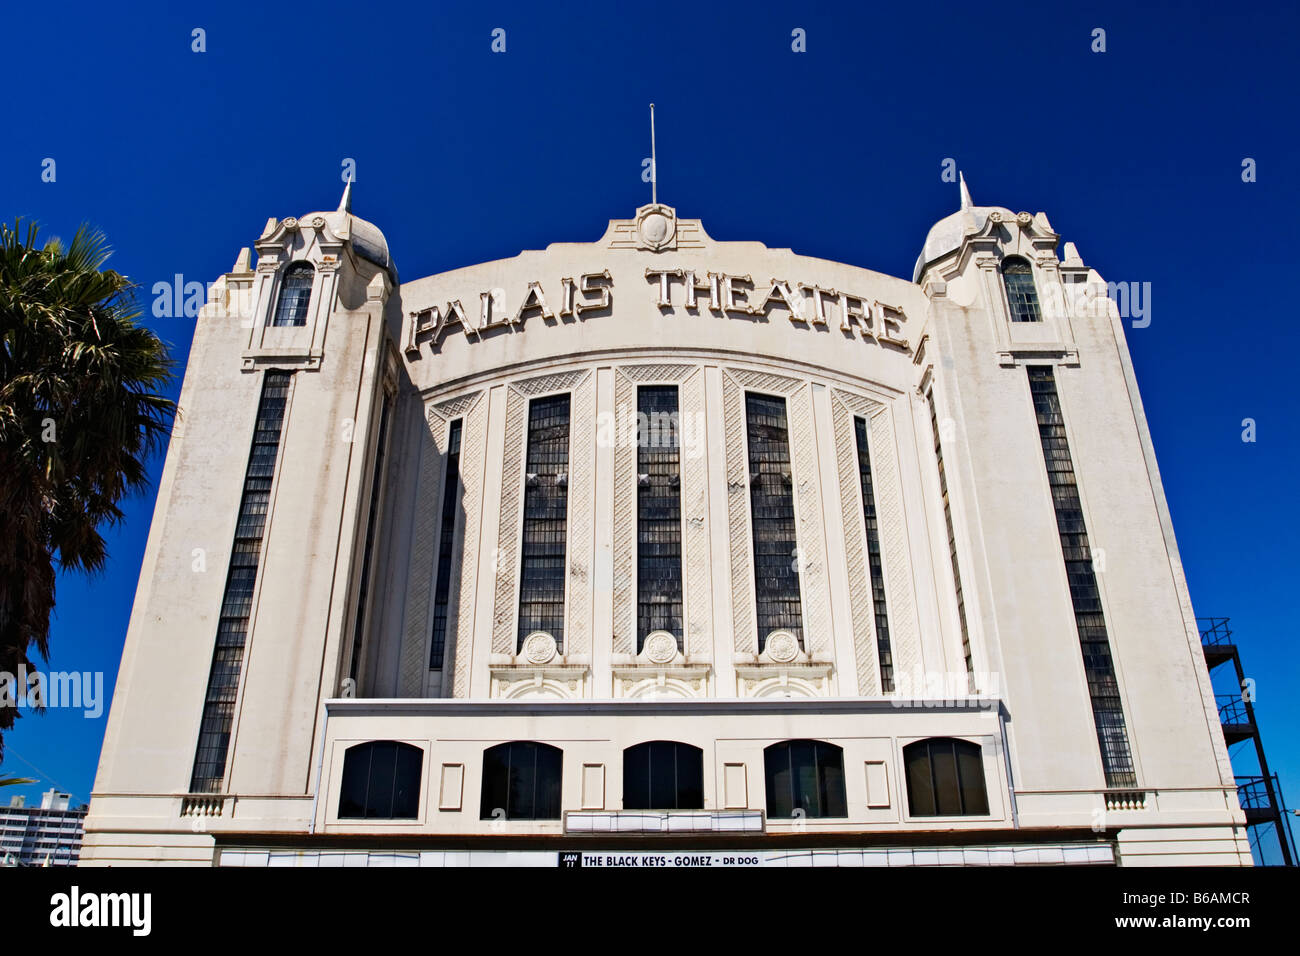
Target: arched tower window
point(381, 781)
point(1022, 297)
point(295, 293)
point(945, 778)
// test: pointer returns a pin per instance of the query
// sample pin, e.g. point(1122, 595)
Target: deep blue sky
point(464, 155)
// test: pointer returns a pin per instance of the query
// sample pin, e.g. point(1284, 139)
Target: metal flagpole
point(654, 169)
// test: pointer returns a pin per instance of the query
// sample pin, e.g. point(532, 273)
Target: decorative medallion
point(656, 227)
point(318, 221)
point(291, 223)
point(1024, 218)
point(782, 647)
point(539, 648)
point(660, 647)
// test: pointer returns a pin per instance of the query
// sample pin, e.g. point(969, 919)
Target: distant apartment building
point(46, 836)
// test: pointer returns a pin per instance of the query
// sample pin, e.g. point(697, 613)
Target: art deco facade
point(662, 550)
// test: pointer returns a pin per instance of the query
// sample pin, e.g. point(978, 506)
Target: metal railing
point(1214, 631)
point(1232, 710)
point(1252, 794)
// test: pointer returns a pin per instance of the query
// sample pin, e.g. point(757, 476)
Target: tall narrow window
point(658, 514)
point(1022, 297)
point(1107, 708)
point(945, 778)
point(952, 543)
point(546, 509)
point(874, 560)
point(663, 775)
point(805, 778)
point(376, 485)
point(237, 601)
point(771, 505)
point(295, 293)
point(521, 781)
point(446, 538)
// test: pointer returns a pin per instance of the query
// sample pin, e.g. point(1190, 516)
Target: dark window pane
point(771, 497)
point(548, 783)
point(521, 781)
point(356, 782)
point(920, 786)
point(780, 795)
point(805, 776)
point(522, 793)
point(381, 781)
point(970, 770)
point(546, 503)
point(663, 775)
point(874, 560)
point(945, 777)
point(295, 294)
point(496, 783)
point(943, 767)
point(1022, 297)
point(383, 769)
point(446, 539)
point(690, 777)
point(659, 514)
point(636, 778)
point(371, 523)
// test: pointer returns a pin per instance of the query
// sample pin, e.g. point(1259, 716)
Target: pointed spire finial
point(654, 173)
point(965, 193)
point(345, 204)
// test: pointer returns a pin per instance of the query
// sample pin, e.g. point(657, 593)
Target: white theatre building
point(662, 550)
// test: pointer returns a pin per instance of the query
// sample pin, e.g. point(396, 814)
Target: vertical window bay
point(237, 599)
point(446, 541)
point(771, 499)
point(874, 560)
point(546, 504)
point(659, 514)
point(1094, 641)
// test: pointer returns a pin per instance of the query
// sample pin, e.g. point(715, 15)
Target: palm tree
point(15, 781)
point(80, 414)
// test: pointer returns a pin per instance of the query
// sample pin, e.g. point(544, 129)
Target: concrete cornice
point(445, 707)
